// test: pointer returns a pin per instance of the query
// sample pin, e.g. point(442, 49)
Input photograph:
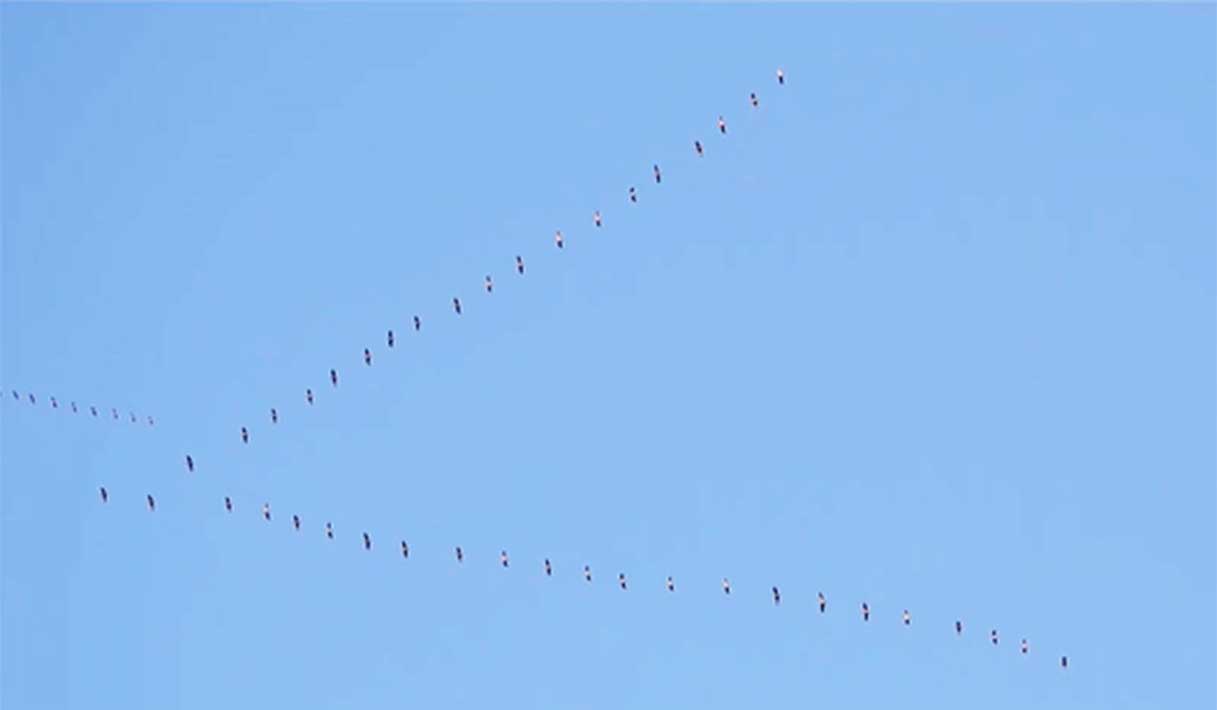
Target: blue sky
point(934, 328)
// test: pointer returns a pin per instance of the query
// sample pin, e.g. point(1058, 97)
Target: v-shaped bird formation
point(548, 569)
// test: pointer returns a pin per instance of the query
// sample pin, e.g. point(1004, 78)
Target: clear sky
point(933, 328)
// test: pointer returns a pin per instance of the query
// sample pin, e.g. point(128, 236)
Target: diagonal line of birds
point(547, 568)
point(74, 408)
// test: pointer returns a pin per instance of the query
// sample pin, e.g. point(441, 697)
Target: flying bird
point(558, 238)
point(329, 530)
point(73, 407)
point(658, 175)
point(670, 585)
point(189, 463)
point(308, 394)
point(958, 627)
point(621, 579)
point(151, 503)
point(418, 324)
point(460, 555)
point(228, 504)
point(333, 377)
point(54, 403)
point(367, 357)
point(456, 305)
point(633, 195)
point(150, 422)
point(865, 611)
point(993, 636)
point(755, 102)
point(823, 601)
point(274, 416)
point(519, 265)
point(390, 338)
point(34, 401)
point(549, 570)
point(503, 558)
point(489, 284)
point(906, 618)
point(244, 435)
point(113, 412)
point(367, 542)
point(777, 597)
point(722, 126)
point(93, 410)
point(781, 77)
point(296, 522)
point(133, 419)
point(596, 218)
point(1064, 661)
point(587, 572)
point(266, 511)
point(105, 497)
point(726, 586)
point(1022, 646)
point(405, 550)
point(697, 147)
point(15, 395)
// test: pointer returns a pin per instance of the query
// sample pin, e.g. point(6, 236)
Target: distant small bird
point(189, 463)
point(150, 422)
point(519, 265)
point(93, 410)
point(823, 602)
point(958, 627)
point(418, 323)
point(228, 504)
point(777, 597)
point(1064, 661)
point(456, 305)
point(549, 570)
point(993, 636)
point(781, 77)
point(726, 586)
point(367, 541)
point(558, 238)
point(296, 522)
point(54, 403)
point(865, 611)
point(266, 511)
point(329, 530)
point(133, 417)
point(460, 555)
point(503, 558)
point(105, 497)
point(697, 147)
point(587, 572)
point(244, 435)
point(151, 503)
point(755, 102)
point(35, 401)
point(722, 126)
point(670, 585)
point(113, 412)
point(389, 338)
point(15, 395)
point(621, 580)
point(333, 377)
point(658, 175)
point(274, 416)
point(367, 357)
point(308, 394)
point(633, 195)
point(596, 218)
point(489, 284)
point(906, 618)
point(1022, 646)
point(73, 408)
point(405, 550)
